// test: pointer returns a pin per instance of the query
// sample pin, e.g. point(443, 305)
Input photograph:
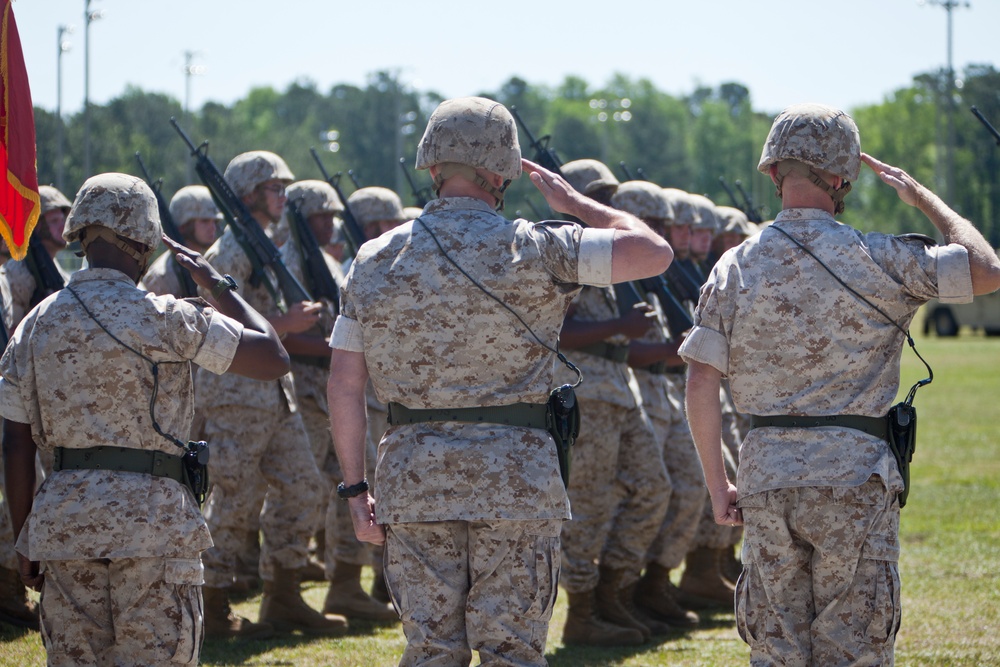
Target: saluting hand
point(907, 187)
point(203, 273)
point(557, 191)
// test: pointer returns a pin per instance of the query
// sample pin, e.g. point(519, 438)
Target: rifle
point(420, 195)
point(354, 179)
point(545, 155)
point(260, 250)
point(982, 119)
point(752, 213)
point(353, 232)
point(170, 228)
point(314, 267)
point(628, 175)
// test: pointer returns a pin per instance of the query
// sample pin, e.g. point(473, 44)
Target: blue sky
point(845, 53)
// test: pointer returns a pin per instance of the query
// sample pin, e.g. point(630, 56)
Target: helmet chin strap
point(446, 170)
point(786, 167)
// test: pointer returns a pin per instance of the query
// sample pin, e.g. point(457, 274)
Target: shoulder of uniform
point(553, 223)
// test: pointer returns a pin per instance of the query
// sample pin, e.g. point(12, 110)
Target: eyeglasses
point(274, 189)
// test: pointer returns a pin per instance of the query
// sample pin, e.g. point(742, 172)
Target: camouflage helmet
point(732, 221)
point(193, 201)
point(52, 199)
point(248, 170)
point(684, 212)
point(314, 196)
point(121, 203)
point(644, 200)
point(706, 212)
point(373, 204)
point(587, 176)
point(820, 136)
point(412, 212)
point(474, 132)
point(808, 136)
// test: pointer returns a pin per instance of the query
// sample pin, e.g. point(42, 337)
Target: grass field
point(950, 552)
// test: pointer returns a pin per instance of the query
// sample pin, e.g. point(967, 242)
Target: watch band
point(346, 492)
point(226, 282)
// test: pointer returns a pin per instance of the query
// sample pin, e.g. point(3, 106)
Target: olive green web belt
point(121, 459)
point(618, 353)
point(525, 415)
point(877, 426)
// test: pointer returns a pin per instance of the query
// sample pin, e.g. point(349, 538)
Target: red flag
point(19, 203)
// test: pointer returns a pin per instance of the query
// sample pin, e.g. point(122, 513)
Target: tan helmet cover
point(52, 199)
point(684, 212)
point(706, 212)
point(248, 170)
point(314, 196)
point(587, 176)
point(732, 220)
point(412, 212)
point(472, 131)
point(644, 200)
point(372, 204)
point(816, 135)
point(122, 203)
point(193, 201)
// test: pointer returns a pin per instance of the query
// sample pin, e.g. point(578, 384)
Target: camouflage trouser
point(618, 490)
point(246, 445)
point(341, 544)
point(122, 611)
point(676, 533)
point(464, 586)
point(820, 584)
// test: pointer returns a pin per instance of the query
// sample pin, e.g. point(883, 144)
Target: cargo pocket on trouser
point(751, 605)
point(186, 576)
point(875, 603)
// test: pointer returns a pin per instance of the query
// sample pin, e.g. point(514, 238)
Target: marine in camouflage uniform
point(197, 218)
point(470, 510)
point(819, 504)
point(257, 433)
point(318, 205)
point(19, 293)
point(119, 586)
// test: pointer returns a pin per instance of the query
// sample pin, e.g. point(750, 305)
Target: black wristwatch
point(226, 282)
point(345, 492)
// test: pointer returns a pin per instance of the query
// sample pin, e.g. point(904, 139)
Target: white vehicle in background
point(945, 319)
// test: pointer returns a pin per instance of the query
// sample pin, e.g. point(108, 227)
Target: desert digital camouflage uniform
point(255, 431)
point(619, 487)
point(472, 510)
point(161, 277)
point(765, 310)
point(91, 548)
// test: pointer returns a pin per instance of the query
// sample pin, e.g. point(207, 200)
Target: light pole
point(949, 108)
point(62, 46)
point(88, 17)
point(190, 70)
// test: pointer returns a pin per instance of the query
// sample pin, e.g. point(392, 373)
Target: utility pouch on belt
point(902, 420)
point(195, 461)
point(564, 425)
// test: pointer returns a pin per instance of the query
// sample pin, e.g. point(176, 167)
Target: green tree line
point(688, 141)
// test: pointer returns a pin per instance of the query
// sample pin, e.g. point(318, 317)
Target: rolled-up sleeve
point(595, 257)
point(706, 346)
point(11, 404)
point(954, 274)
point(347, 335)
point(219, 347)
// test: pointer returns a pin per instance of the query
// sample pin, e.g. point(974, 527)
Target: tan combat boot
point(283, 607)
point(609, 601)
point(15, 607)
point(656, 627)
point(346, 597)
point(657, 596)
point(313, 571)
point(583, 626)
point(222, 623)
point(702, 584)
